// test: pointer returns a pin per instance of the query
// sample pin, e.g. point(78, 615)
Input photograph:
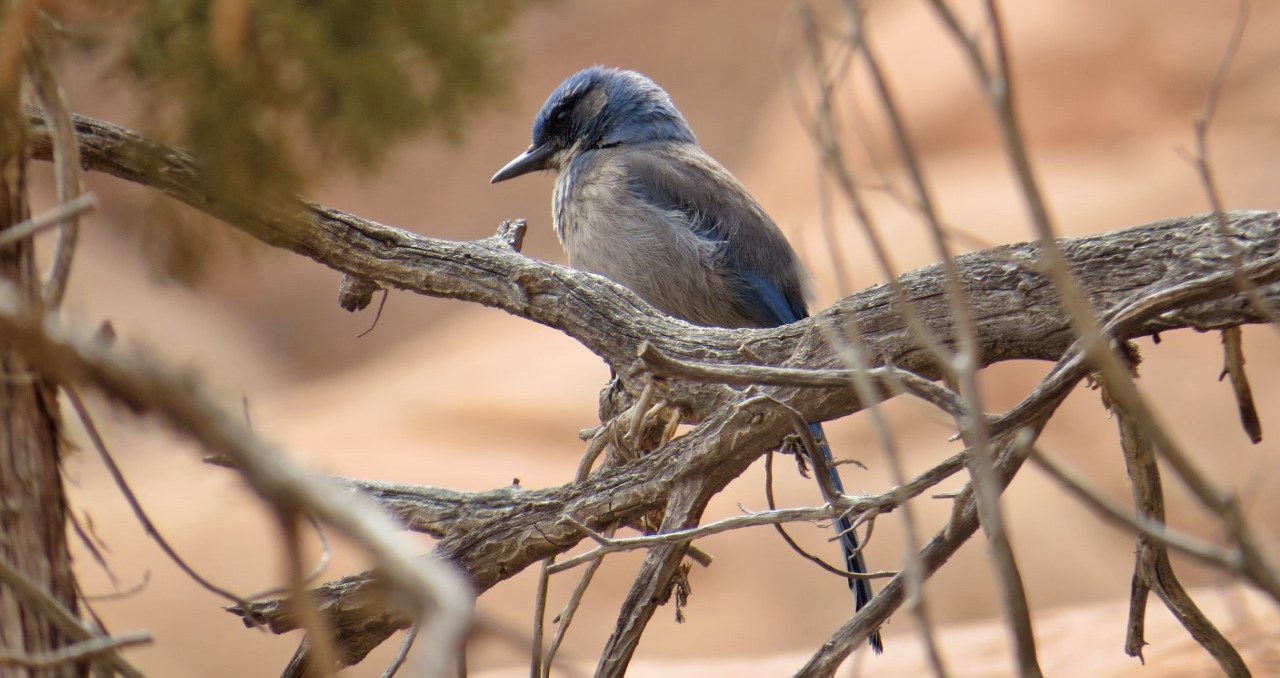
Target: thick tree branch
point(1162, 276)
point(1015, 309)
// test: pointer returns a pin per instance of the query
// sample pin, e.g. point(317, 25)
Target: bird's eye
point(562, 115)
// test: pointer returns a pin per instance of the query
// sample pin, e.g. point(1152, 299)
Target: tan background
point(459, 396)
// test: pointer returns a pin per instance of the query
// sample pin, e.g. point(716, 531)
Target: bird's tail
point(848, 541)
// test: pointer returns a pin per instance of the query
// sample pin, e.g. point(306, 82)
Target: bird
point(638, 201)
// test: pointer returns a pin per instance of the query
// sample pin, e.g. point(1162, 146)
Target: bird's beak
point(533, 159)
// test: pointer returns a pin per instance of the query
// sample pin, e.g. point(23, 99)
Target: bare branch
point(774, 517)
point(1201, 551)
point(85, 650)
point(1204, 169)
point(61, 617)
point(944, 543)
point(782, 532)
point(1115, 276)
point(439, 598)
point(1233, 367)
point(410, 635)
point(54, 217)
point(611, 322)
point(322, 657)
point(131, 498)
point(565, 619)
point(854, 354)
point(68, 181)
point(1100, 349)
point(1152, 569)
point(891, 380)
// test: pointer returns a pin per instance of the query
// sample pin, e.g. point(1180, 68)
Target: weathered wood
point(1015, 309)
point(32, 507)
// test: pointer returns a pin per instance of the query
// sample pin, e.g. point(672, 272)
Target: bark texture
point(32, 506)
point(1140, 281)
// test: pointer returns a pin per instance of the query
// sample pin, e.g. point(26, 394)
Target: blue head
point(596, 108)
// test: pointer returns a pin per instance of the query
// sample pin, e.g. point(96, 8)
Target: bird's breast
point(607, 229)
point(560, 203)
point(585, 200)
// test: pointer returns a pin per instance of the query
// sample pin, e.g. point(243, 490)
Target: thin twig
point(1230, 560)
point(1152, 569)
point(438, 596)
point(68, 182)
point(1204, 169)
point(120, 594)
point(377, 315)
point(1096, 345)
point(1233, 367)
point(91, 545)
point(410, 634)
point(571, 606)
point(49, 219)
point(131, 498)
point(786, 537)
point(962, 366)
point(854, 356)
point(540, 665)
point(832, 153)
point(539, 618)
point(595, 447)
point(944, 543)
point(37, 599)
point(322, 564)
point(322, 657)
point(891, 380)
point(607, 545)
point(85, 650)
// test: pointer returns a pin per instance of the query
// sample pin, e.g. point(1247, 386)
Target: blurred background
point(447, 394)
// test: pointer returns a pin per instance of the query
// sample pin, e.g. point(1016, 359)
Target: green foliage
point(268, 92)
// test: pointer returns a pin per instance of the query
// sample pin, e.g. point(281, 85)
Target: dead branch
point(964, 522)
point(607, 545)
point(428, 590)
point(1153, 278)
point(65, 620)
point(131, 498)
point(1152, 569)
point(74, 653)
point(1016, 311)
point(1233, 367)
point(68, 181)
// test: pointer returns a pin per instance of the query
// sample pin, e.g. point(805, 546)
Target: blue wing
point(751, 253)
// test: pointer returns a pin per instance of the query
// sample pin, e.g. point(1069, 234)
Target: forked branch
point(1159, 277)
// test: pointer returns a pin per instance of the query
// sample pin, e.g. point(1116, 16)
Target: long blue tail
point(848, 540)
